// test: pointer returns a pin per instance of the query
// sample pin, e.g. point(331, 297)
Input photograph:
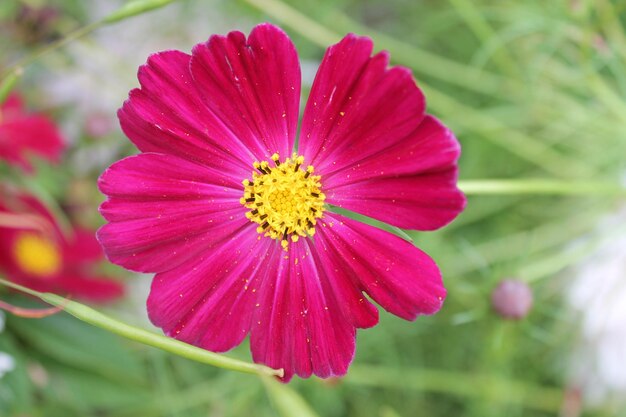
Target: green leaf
point(9, 82)
point(85, 391)
point(78, 345)
point(16, 390)
point(287, 402)
point(134, 8)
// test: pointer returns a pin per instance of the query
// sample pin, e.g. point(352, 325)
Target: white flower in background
point(598, 294)
point(7, 363)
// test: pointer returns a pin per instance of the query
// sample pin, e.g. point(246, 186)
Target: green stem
point(95, 318)
point(542, 187)
point(478, 122)
point(561, 259)
point(478, 24)
point(529, 243)
point(427, 62)
point(78, 33)
point(8, 83)
point(291, 17)
point(129, 9)
point(514, 141)
point(286, 401)
point(489, 387)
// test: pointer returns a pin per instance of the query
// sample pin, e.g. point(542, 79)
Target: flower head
point(237, 221)
point(23, 133)
point(35, 253)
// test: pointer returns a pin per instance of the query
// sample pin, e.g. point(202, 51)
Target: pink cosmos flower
point(237, 221)
point(23, 133)
point(35, 253)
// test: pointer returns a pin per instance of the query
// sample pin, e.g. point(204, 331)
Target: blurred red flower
point(23, 133)
point(35, 253)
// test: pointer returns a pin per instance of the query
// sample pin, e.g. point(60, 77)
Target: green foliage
point(534, 90)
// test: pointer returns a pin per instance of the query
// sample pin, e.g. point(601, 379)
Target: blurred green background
point(534, 90)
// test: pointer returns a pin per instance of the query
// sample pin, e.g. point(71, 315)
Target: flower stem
point(542, 187)
point(9, 82)
point(492, 388)
point(95, 318)
point(287, 401)
point(129, 9)
point(559, 260)
point(303, 24)
point(26, 61)
point(134, 8)
point(478, 122)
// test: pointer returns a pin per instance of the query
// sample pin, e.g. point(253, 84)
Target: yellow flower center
point(36, 255)
point(284, 200)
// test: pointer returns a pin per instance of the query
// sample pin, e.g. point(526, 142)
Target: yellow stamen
point(36, 255)
point(284, 200)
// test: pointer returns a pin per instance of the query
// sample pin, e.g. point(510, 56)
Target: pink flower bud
point(512, 299)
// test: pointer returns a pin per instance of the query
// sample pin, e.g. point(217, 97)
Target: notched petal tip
point(365, 41)
point(105, 179)
point(401, 278)
point(158, 60)
point(269, 27)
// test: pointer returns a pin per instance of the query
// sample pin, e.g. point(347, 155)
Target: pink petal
point(252, 86)
point(394, 273)
point(354, 306)
point(164, 210)
point(299, 325)
point(12, 107)
point(168, 116)
point(29, 204)
point(87, 287)
point(411, 184)
point(431, 147)
point(209, 300)
point(422, 202)
point(364, 126)
point(357, 106)
point(75, 284)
